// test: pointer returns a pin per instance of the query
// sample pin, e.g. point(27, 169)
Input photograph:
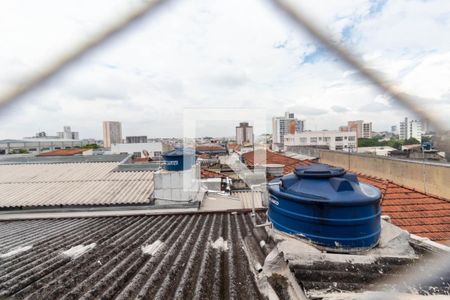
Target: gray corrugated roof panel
point(9, 159)
point(72, 184)
point(191, 256)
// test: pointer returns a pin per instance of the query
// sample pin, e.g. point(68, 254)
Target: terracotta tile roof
point(274, 158)
point(210, 147)
point(62, 152)
point(234, 147)
point(210, 174)
point(417, 212)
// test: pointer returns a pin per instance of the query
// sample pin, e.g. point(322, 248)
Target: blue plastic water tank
point(327, 206)
point(179, 159)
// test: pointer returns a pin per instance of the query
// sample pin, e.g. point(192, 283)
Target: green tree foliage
point(394, 143)
point(91, 146)
point(411, 141)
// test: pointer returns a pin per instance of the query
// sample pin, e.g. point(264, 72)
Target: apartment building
point(333, 140)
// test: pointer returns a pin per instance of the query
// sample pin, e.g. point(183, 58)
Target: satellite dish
point(146, 154)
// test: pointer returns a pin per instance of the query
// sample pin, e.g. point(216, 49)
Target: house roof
point(69, 184)
point(419, 213)
point(209, 147)
point(210, 174)
point(62, 152)
point(160, 257)
point(16, 159)
point(274, 158)
point(234, 147)
point(414, 211)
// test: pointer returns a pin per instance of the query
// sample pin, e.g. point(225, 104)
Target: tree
point(411, 141)
point(91, 146)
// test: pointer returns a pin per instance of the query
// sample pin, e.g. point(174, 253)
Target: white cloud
point(219, 54)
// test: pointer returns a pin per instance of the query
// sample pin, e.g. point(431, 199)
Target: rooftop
point(62, 152)
point(72, 184)
point(170, 256)
point(417, 212)
point(20, 159)
point(206, 255)
point(274, 158)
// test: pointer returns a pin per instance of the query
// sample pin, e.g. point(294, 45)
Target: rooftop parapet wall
point(425, 177)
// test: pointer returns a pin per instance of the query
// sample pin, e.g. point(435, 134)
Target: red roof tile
point(274, 158)
point(235, 147)
point(62, 152)
point(210, 174)
point(417, 212)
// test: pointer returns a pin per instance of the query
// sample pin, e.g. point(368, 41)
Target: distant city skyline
point(214, 129)
point(180, 59)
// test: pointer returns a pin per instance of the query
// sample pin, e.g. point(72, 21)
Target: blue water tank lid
point(318, 171)
point(179, 152)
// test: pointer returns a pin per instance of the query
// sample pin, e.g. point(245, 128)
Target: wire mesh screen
point(305, 22)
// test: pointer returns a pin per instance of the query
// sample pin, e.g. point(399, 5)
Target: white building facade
point(282, 126)
point(415, 130)
point(403, 130)
point(411, 129)
point(334, 140)
point(68, 134)
point(154, 149)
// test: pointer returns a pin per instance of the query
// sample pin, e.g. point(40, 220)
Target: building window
point(303, 140)
point(313, 140)
point(326, 139)
point(320, 138)
point(338, 139)
point(352, 138)
point(339, 147)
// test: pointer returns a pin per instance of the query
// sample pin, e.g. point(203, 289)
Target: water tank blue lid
point(320, 182)
point(318, 171)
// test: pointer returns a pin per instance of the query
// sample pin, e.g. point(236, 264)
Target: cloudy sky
point(220, 54)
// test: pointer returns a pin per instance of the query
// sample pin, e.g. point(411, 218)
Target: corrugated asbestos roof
point(419, 213)
point(32, 185)
point(246, 198)
point(17, 159)
point(197, 256)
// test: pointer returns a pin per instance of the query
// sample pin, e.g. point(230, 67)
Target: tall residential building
point(403, 130)
point(136, 139)
point(68, 134)
point(394, 129)
point(285, 125)
point(356, 126)
point(415, 130)
point(367, 130)
point(411, 129)
point(112, 133)
point(244, 134)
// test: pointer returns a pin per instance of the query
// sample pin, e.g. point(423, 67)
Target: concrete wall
point(429, 178)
